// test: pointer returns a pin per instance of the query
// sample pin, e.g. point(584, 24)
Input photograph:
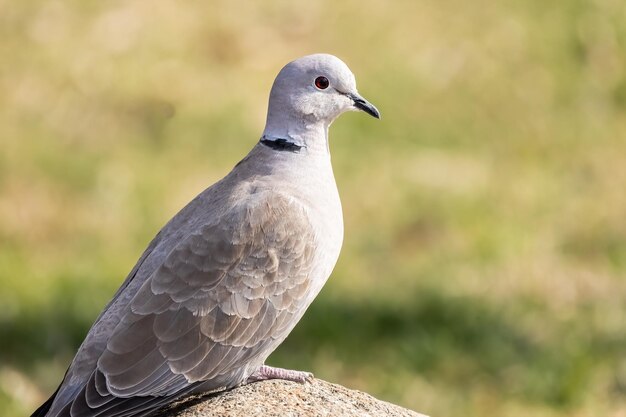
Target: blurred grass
point(483, 269)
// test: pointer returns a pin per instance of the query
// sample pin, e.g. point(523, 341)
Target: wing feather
point(139, 330)
point(173, 324)
point(212, 311)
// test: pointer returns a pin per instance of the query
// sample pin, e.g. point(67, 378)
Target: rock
point(287, 399)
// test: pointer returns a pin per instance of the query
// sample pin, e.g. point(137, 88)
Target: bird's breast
point(325, 214)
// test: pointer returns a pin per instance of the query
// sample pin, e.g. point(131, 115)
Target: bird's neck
point(297, 137)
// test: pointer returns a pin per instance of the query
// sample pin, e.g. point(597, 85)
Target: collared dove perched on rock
point(226, 279)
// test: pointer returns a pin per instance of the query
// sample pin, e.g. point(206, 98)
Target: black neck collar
point(280, 144)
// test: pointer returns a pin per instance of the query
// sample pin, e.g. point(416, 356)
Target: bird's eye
point(322, 83)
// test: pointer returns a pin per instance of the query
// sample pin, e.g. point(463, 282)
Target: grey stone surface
point(287, 399)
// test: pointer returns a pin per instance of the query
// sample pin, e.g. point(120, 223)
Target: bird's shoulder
point(265, 236)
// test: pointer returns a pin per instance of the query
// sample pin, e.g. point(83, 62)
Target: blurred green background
point(484, 264)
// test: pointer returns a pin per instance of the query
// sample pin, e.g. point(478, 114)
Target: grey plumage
point(227, 279)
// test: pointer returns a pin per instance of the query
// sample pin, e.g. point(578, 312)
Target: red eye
point(322, 83)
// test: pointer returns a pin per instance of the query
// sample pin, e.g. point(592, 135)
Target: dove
point(229, 276)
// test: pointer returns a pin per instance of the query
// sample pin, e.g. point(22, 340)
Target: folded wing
point(211, 313)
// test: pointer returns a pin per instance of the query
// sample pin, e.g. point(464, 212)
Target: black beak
point(362, 104)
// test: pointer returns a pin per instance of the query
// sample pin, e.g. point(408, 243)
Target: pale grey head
point(309, 94)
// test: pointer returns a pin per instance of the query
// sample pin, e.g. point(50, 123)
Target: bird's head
point(313, 90)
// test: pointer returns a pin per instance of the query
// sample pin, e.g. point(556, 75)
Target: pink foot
point(268, 372)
